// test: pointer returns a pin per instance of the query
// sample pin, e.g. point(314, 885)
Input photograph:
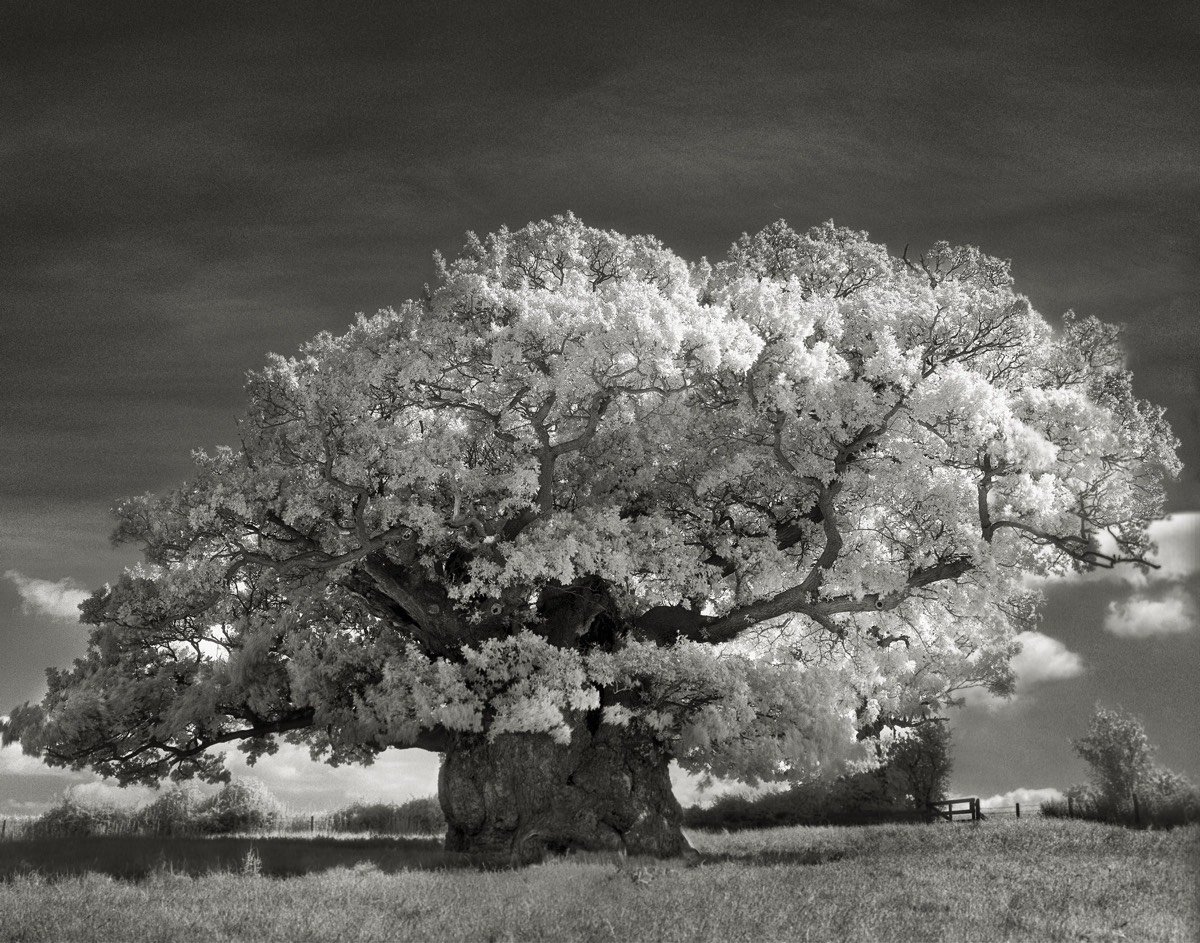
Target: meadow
point(1028, 879)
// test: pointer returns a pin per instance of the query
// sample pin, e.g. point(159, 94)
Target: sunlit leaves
point(789, 497)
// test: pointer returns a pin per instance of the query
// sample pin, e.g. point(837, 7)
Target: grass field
point(1032, 879)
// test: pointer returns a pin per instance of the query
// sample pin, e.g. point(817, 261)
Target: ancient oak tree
point(584, 508)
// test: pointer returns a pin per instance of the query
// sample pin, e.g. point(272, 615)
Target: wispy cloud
point(58, 599)
point(1030, 798)
point(1142, 616)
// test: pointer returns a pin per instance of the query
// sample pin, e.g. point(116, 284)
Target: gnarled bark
point(520, 796)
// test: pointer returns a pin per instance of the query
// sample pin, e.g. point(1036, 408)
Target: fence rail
point(999, 811)
point(949, 809)
point(970, 808)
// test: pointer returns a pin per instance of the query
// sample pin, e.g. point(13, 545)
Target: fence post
point(312, 823)
point(1070, 808)
point(3, 828)
point(1137, 813)
point(1018, 810)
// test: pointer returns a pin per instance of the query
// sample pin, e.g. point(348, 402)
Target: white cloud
point(109, 794)
point(1041, 659)
point(1142, 616)
point(58, 599)
point(690, 790)
point(14, 762)
point(26, 774)
point(1030, 799)
point(299, 781)
point(1178, 539)
point(291, 775)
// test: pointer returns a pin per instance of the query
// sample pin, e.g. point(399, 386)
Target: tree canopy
point(1118, 751)
point(757, 509)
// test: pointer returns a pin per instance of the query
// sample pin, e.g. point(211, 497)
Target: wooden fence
point(1001, 811)
point(949, 809)
point(968, 808)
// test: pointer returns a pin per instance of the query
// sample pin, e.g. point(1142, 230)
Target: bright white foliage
point(801, 488)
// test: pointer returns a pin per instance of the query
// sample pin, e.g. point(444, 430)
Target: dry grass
point(1035, 879)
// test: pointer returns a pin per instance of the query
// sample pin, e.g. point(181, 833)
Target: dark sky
point(189, 186)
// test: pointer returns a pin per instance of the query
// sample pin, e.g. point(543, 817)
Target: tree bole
point(518, 797)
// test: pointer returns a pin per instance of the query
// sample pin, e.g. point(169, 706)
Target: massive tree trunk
point(512, 800)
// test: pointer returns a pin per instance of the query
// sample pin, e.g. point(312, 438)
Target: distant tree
point(918, 765)
point(1121, 758)
point(584, 508)
point(1119, 753)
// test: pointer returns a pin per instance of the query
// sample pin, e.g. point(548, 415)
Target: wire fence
point(1136, 809)
point(15, 827)
point(1013, 811)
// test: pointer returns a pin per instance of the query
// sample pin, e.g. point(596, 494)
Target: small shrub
point(241, 806)
point(252, 863)
point(414, 817)
point(1162, 808)
point(175, 812)
point(423, 815)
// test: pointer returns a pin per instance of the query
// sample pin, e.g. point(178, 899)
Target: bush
point(72, 819)
point(241, 806)
point(1155, 809)
point(175, 812)
point(414, 817)
point(1122, 766)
